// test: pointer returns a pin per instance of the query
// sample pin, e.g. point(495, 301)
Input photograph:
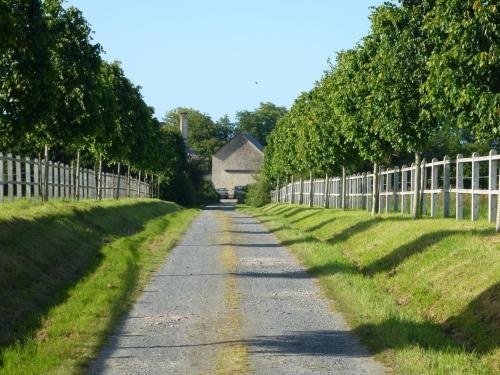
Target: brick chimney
point(183, 119)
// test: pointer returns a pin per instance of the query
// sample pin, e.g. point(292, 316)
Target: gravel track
point(287, 327)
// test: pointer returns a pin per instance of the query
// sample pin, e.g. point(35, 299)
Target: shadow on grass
point(423, 242)
point(42, 258)
point(474, 330)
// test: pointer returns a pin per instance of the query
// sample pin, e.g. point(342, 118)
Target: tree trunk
point(118, 181)
point(278, 190)
point(128, 181)
point(46, 177)
point(375, 190)
point(416, 193)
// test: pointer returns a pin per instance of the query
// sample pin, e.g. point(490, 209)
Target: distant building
point(236, 162)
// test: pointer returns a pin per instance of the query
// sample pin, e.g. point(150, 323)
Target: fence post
point(128, 181)
point(492, 179)
point(19, 178)
point(387, 189)
point(301, 194)
point(396, 190)
point(363, 190)
point(327, 192)
point(375, 189)
point(434, 186)
point(56, 179)
point(459, 199)
point(446, 186)
point(36, 176)
point(311, 190)
point(1, 178)
point(343, 188)
point(10, 178)
point(118, 181)
point(423, 185)
point(475, 186)
point(404, 185)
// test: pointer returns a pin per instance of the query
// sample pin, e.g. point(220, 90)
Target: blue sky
point(209, 54)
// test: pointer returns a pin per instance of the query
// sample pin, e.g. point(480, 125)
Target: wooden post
point(77, 175)
point(46, 174)
point(1, 178)
point(56, 179)
point(434, 186)
point(118, 181)
point(380, 189)
point(446, 186)
point(311, 190)
point(10, 178)
point(51, 180)
point(492, 179)
point(364, 190)
point(292, 198)
point(404, 185)
point(139, 185)
point(27, 178)
point(396, 190)
point(36, 176)
point(498, 206)
point(387, 189)
point(301, 194)
point(459, 199)
point(99, 178)
point(375, 190)
point(19, 179)
point(285, 200)
point(128, 181)
point(327, 192)
point(475, 186)
point(423, 185)
point(343, 192)
point(416, 187)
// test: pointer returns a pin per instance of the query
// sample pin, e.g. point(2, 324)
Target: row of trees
point(206, 136)
point(57, 92)
point(425, 77)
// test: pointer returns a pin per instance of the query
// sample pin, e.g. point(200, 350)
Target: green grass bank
point(68, 273)
point(423, 296)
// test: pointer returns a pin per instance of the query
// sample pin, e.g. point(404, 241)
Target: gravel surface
point(287, 326)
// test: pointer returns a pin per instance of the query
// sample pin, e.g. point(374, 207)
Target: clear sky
point(209, 54)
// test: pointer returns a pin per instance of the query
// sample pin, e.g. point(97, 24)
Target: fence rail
point(24, 178)
point(442, 183)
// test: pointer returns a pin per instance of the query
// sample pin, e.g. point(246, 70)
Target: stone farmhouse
point(237, 162)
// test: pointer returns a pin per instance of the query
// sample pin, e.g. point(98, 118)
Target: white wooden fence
point(24, 178)
point(446, 185)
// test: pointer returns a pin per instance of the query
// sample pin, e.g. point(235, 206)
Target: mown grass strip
point(232, 358)
point(422, 295)
point(69, 271)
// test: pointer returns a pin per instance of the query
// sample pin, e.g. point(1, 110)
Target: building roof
point(238, 137)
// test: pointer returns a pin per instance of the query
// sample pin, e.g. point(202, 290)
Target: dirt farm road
point(231, 300)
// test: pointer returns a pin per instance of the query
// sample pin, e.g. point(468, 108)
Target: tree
point(202, 132)
point(224, 128)
point(463, 83)
point(26, 72)
point(260, 122)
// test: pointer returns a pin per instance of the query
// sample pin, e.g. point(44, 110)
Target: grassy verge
point(424, 295)
point(69, 271)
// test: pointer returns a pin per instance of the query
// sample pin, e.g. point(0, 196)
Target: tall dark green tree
point(26, 72)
